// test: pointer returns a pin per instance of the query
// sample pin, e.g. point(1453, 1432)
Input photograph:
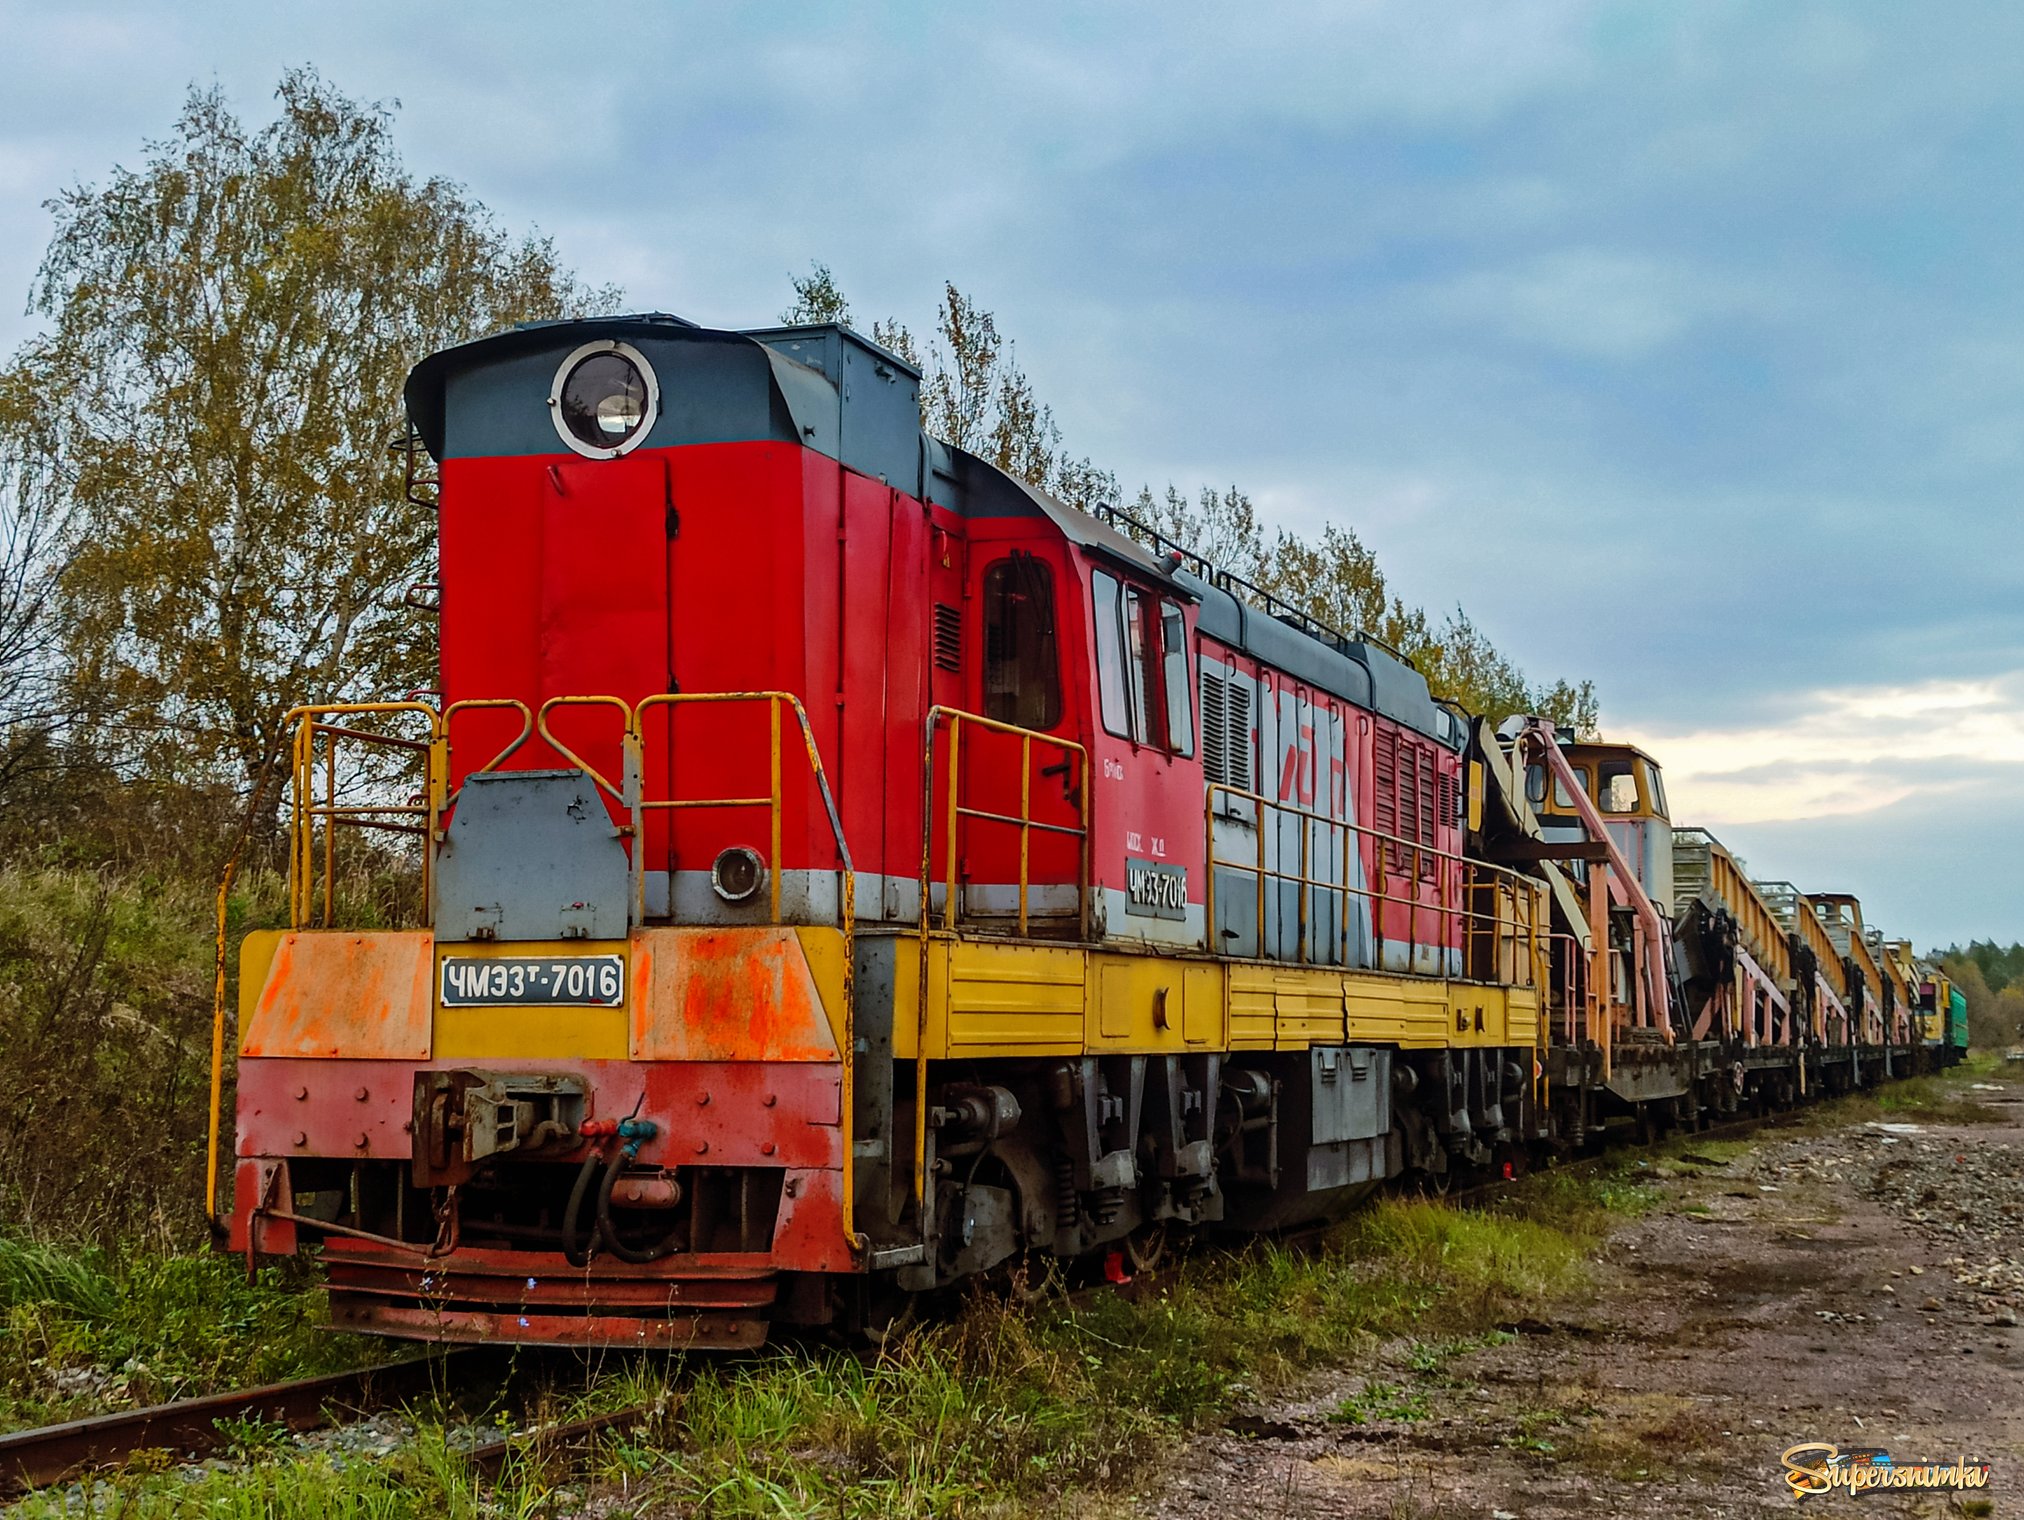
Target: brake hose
point(608, 1231)
point(574, 1250)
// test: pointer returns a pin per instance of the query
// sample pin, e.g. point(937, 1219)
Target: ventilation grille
point(1226, 731)
point(1385, 818)
point(948, 637)
point(1452, 810)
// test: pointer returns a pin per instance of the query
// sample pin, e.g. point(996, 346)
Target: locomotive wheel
point(1033, 1275)
point(889, 1314)
point(1146, 1247)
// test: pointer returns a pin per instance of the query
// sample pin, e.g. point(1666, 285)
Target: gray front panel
point(532, 855)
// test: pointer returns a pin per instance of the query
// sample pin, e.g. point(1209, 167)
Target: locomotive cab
point(1628, 789)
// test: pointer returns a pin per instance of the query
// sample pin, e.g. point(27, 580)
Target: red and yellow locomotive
point(848, 870)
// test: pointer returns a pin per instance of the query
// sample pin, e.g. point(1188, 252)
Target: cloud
point(1594, 302)
point(1842, 752)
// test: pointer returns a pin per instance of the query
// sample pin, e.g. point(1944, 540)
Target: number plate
point(547, 981)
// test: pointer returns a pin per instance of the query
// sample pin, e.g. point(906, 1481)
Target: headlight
point(604, 399)
point(737, 874)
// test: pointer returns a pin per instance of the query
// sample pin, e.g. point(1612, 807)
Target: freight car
point(846, 870)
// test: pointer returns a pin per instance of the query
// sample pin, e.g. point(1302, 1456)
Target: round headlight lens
point(603, 401)
point(737, 874)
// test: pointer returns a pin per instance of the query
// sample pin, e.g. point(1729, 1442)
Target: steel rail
point(31, 1459)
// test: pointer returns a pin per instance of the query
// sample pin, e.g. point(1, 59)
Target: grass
point(1945, 1098)
point(1390, 1403)
point(1057, 1406)
point(83, 1330)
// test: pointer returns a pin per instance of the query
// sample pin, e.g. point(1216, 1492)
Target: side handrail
point(1455, 876)
point(956, 720)
point(305, 812)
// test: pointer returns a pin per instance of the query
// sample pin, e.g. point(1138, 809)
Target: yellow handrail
point(444, 799)
point(618, 793)
point(847, 905)
point(1455, 906)
point(956, 719)
point(303, 814)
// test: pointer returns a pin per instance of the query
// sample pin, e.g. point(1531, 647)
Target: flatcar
point(846, 870)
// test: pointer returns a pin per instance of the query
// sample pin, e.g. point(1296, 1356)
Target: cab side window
point(1022, 664)
point(1143, 690)
point(1616, 787)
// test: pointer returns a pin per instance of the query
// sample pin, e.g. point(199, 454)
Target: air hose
point(574, 1249)
point(608, 1230)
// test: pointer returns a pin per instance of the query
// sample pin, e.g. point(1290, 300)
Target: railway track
point(48, 1454)
point(195, 1427)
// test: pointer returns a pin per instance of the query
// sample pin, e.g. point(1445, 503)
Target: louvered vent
point(948, 637)
point(1239, 758)
point(1429, 802)
point(1215, 728)
point(1451, 800)
point(1386, 786)
point(1226, 731)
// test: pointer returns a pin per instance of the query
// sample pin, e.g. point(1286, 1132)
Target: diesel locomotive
point(846, 870)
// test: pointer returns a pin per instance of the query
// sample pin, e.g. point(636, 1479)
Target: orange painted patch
point(364, 997)
point(726, 995)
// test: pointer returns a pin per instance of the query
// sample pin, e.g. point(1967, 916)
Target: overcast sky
point(1683, 345)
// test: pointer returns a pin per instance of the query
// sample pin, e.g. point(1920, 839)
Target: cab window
point(1616, 786)
point(1658, 791)
point(1022, 667)
point(1143, 686)
point(1174, 677)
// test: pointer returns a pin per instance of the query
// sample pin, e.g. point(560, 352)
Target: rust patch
point(726, 995)
point(331, 994)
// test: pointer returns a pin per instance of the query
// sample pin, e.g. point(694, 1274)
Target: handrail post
point(1345, 854)
point(1209, 940)
point(1413, 909)
point(774, 793)
point(330, 833)
point(1025, 822)
point(632, 778)
point(955, 814)
point(1259, 940)
point(1306, 889)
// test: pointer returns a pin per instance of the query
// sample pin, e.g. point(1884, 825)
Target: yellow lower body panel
point(530, 1034)
point(990, 998)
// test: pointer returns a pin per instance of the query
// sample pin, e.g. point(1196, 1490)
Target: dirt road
point(1860, 1287)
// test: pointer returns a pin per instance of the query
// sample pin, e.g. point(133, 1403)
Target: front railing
point(319, 791)
point(321, 805)
point(1497, 919)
